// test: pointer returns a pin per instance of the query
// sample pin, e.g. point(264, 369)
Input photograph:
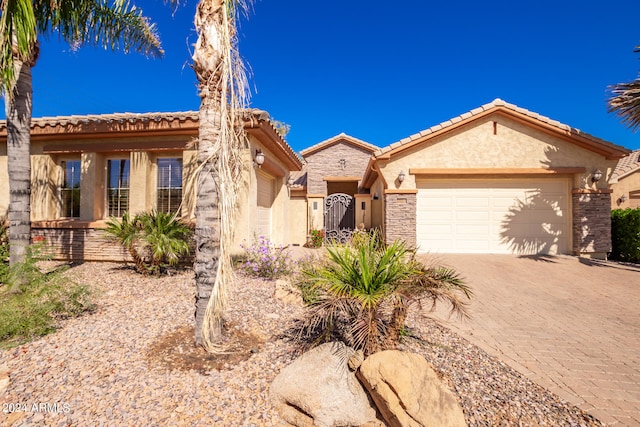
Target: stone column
point(592, 222)
point(400, 216)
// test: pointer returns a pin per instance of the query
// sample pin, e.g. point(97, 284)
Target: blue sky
point(373, 70)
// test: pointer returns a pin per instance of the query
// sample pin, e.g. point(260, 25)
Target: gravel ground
point(110, 368)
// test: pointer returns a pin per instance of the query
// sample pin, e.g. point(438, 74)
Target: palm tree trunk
point(207, 232)
point(207, 57)
point(18, 108)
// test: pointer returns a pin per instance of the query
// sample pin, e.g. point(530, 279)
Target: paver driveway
point(571, 325)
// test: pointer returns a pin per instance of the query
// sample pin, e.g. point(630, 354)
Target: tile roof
point(492, 105)
point(627, 165)
point(41, 122)
point(340, 137)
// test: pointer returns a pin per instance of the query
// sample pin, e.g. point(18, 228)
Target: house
point(86, 169)
point(625, 182)
point(498, 179)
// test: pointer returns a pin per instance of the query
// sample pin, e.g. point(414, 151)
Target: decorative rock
point(287, 293)
point(318, 389)
point(4, 378)
point(408, 392)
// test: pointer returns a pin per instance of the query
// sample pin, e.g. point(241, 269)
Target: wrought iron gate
point(339, 217)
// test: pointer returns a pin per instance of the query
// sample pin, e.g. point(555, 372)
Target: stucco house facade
point(498, 179)
point(625, 182)
point(86, 169)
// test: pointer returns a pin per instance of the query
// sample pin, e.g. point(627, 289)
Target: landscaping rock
point(4, 378)
point(407, 391)
point(318, 389)
point(287, 293)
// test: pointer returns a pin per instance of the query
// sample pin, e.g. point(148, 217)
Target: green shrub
point(31, 307)
point(154, 240)
point(365, 288)
point(625, 235)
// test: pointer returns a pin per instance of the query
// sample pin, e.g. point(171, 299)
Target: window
point(169, 194)
point(70, 189)
point(117, 187)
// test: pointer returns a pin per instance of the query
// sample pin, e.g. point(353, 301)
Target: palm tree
point(365, 289)
point(625, 101)
point(223, 95)
point(78, 22)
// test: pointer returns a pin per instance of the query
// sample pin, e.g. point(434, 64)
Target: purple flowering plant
point(266, 260)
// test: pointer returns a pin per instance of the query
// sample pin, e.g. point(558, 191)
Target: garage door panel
point(525, 216)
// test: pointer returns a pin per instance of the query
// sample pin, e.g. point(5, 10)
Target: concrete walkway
point(571, 325)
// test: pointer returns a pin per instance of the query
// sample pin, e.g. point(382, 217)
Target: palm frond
point(625, 103)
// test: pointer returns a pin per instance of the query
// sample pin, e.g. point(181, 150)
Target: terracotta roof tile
point(627, 165)
point(497, 103)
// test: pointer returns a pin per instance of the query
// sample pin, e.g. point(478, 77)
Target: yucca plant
point(365, 289)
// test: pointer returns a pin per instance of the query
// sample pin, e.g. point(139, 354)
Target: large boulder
point(407, 391)
point(319, 389)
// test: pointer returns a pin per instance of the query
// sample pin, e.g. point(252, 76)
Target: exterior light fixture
point(623, 198)
point(290, 182)
point(401, 176)
point(259, 158)
point(596, 175)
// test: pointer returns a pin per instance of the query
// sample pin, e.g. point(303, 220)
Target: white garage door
point(265, 200)
point(527, 216)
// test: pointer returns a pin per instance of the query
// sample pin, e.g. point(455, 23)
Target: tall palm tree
point(625, 101)
point(223, 95)
point(111, 25)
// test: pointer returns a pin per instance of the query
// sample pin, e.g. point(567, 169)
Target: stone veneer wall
point(400, 217)
point(591, 223)
point(83, 244)
point(326, 162)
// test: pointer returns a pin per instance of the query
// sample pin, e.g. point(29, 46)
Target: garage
point(266, 185)
point(514, 216)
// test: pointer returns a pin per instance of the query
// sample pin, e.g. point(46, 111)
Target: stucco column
point(400, 216)
point(141, 183)
point(363, 210)
point(92, 187)
point(592, 222)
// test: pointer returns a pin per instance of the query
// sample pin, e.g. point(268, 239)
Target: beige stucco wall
point(624, 185)
point(44, 187)
point(377, 204)
point(142, 174)
point(316, 215)
point(513, 146)
point(298, 220)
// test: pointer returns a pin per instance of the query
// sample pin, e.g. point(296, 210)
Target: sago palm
point(364, 290)
point(113, 25)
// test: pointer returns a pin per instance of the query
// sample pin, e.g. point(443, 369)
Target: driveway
point(571, 325)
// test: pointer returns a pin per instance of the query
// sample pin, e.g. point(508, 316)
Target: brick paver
point(570, 324)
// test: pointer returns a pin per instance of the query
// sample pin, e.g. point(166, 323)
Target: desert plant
point(153, 239)
point(128, 233)
point(166, 238)
point(365, 289)
point(266, 260)
point(30, 307)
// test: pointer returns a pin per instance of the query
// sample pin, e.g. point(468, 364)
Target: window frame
point(61, 163)
point(107, 206)
point(169, 188)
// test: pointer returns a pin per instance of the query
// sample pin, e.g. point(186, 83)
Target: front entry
point(339, 217)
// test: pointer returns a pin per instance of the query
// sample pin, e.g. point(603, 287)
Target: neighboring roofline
point(119, 125)
point(617, 175)
point(335, 139)
point(545, 124)
point(609, 150)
